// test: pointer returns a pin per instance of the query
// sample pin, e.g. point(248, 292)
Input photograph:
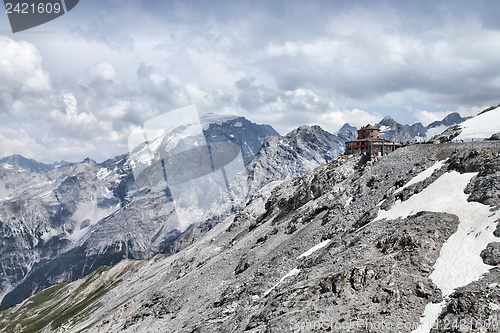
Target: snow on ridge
point(293, 272)
point(296, 271)
point(103, 173)
point(384, 128)
point(481, 126)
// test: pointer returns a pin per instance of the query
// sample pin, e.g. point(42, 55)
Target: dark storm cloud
point(363, 49)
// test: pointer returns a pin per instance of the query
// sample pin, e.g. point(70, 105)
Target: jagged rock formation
point(353, 242)
point(280, 158)
point(393, 131)
point(238, 130)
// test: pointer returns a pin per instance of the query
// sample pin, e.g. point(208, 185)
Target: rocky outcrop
point(494, 137)
point(474, 308)
point(491, 255)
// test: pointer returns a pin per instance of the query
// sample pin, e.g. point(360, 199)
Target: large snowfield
point(459, 262)
point(480, 127)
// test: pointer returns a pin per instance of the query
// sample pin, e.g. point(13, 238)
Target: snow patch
point(293, 272)
point(89, 211)
point(384, 128)
point(50, 233)
point(107, 193)
point(4, 192)
point(459, 262)
point(482, 126)
point(431, 313)
point(422, 176)
point(238, 124)
point(103, 173)
point(494, 306)
point(314, 249)
point(436, 130)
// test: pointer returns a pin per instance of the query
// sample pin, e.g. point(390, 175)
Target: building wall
point(379, 149)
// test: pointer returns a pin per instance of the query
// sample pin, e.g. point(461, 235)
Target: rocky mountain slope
point(280, 158)
point(386, 245)
point(89, 214)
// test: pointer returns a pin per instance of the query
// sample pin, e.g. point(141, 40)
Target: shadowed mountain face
point(449, 120)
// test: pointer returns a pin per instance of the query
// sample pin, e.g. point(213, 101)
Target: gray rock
point(494, 137)
point(491, 255)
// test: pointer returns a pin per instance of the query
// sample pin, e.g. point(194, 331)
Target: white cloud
point(20, 67)
point(116, 111)
point(69, 121)
point(18, 141)
point(21, 73)
point(103, 70)
point(355, 117)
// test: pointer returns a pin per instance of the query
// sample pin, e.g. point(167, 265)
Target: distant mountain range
point(394, 131)
point(18, 163)
point(61, 223)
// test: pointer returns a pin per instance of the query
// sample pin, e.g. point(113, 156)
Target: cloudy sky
point(76, 86)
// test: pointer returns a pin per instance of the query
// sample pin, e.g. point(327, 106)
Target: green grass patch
point(50, 308)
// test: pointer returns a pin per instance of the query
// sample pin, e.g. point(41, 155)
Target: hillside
point(352, 242)
point(62, 224)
